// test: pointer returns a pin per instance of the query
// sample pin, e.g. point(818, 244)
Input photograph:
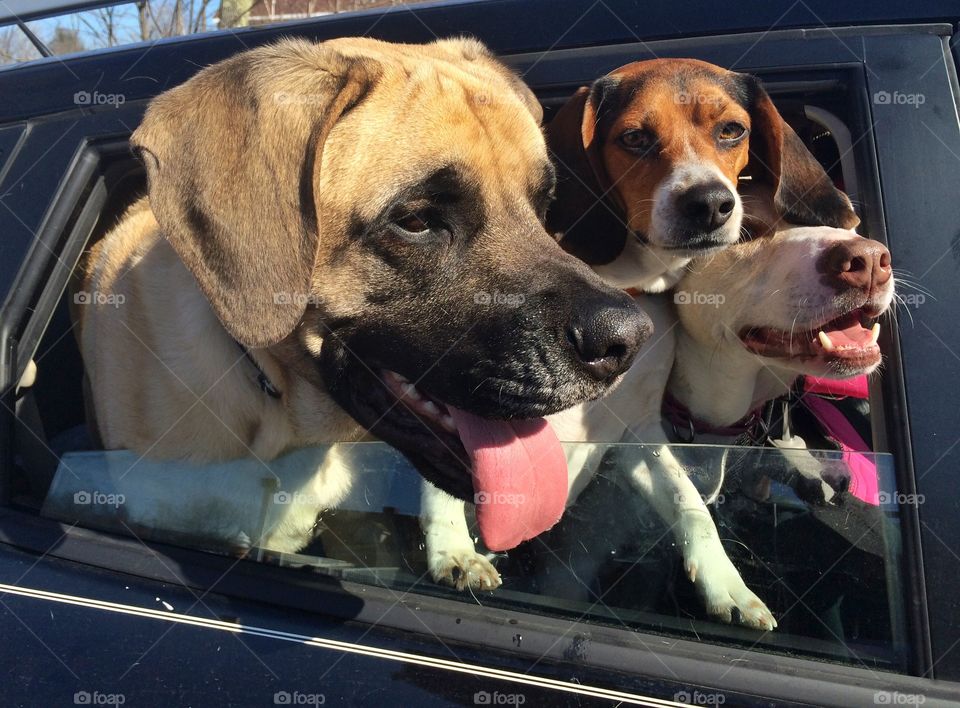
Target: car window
point(828, 572)
point(815, 534)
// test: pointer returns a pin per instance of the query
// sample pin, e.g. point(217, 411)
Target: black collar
point(263, 381)
point(749, 430)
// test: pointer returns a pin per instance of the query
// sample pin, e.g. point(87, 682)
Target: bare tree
point(146, 20)
point(15, 47)
point(65, 41)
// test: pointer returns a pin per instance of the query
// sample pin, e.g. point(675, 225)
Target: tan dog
point(326, 224)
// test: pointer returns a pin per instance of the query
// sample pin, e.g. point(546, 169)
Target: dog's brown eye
point(414, 223)
point(638, 140)
point(732, 131)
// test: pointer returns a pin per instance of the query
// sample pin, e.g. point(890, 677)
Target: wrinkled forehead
point(666, 91)
point(437, 120)
point(454, 181)
point(483, 114)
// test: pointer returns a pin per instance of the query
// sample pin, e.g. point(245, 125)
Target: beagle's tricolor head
point(372, 214)
point(649, 159)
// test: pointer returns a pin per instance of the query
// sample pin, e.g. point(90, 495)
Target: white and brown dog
point(648, 162)
point(799, 301)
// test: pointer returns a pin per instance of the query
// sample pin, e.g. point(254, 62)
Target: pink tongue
point(519, 477)
point(852, 335)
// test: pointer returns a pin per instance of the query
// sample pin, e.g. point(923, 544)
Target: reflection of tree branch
point(200, 16)
point(91, 28)
point(236, 19)
point(153, 18)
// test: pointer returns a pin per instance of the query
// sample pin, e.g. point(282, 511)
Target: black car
point(97, 612)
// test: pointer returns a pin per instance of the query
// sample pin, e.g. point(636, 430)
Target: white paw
point(464, 568)
point(724, 593)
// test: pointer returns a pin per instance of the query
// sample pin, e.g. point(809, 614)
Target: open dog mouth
point(518, 468)
point(848, 341)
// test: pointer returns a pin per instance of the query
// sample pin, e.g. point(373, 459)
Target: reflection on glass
point(824, 560)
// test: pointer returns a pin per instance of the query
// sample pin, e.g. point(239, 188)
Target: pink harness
point(863, 471)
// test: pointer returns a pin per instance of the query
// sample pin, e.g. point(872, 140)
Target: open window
point(831, 574)
point(834, 578)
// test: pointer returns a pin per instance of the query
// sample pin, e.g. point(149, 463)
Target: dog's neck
point(719, 385)
point(644, 268)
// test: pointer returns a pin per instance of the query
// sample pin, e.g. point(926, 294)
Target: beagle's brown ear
point(803, 193)
point(585, 217)
point(232, 160)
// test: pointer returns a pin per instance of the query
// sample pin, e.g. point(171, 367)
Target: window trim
point(680, 662)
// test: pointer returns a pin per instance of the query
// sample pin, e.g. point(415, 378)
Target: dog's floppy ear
point(232, 160)
point(583, 215)
point(803, 193)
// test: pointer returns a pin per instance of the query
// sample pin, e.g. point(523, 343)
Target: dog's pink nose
point(860, 263)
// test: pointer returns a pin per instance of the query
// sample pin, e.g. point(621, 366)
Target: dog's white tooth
point(410, 391)
point(394, 377)
point(825, 341)
point(447, 422)
point(875, 333)
point(431, 408)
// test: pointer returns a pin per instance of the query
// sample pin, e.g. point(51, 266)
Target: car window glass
point(828, 572)
point(815, 534)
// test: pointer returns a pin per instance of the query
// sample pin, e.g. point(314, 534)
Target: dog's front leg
point(664, 482)
point(452, 558)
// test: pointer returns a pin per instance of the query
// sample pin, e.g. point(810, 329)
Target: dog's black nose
point(706, 206)
point(607, 336)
